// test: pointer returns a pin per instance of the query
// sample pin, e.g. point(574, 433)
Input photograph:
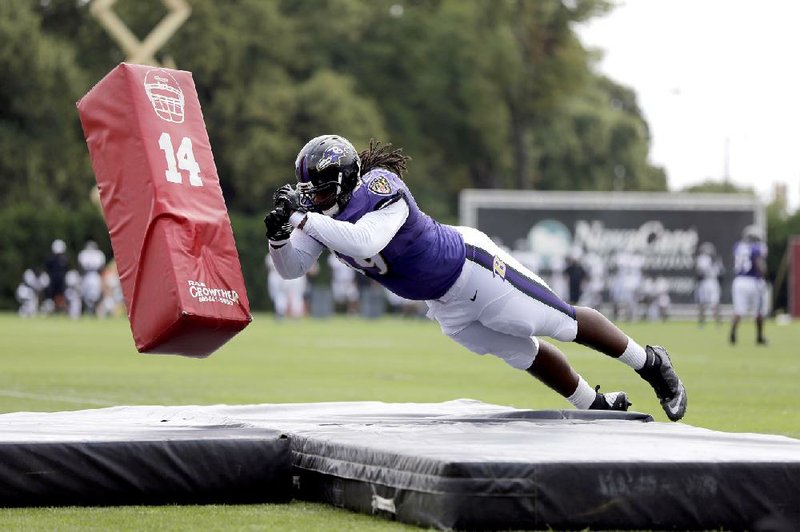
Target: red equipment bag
point(164, 209)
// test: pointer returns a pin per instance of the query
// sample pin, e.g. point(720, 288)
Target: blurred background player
point(296, 290)
point(709, 269)
point(275, 289)
point(592, 295)
point(91, 261)
point(56, 265)
point(481, 296)
point(29, 291)
point(344, 288)
point(576, 276)
point(626, 285)
point(656, 298)
point(749, 289)
point(113, 302)
point(288, 295)
point(72, 294)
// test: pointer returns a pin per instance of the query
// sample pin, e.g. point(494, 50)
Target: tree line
point(480, 93)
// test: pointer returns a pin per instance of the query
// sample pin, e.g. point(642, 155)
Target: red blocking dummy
point(163, 205)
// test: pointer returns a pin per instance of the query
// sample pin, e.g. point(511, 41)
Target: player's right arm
point(363, 239)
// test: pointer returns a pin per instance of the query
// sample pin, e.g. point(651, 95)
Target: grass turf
point(53, 364)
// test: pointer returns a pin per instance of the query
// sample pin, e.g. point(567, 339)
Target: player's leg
point(522, 305)
point(760, 339)
point(596, 331)
point(496, 291)
point(715, 301)
point(280, 299)
point(296, 297)
point(552, 368)
point(761, 311)
point(651, 363)
point(742, 296)
point(701, 303)
point(734, 325)
point(702, 298)
point(509, 299)
point(541, 360)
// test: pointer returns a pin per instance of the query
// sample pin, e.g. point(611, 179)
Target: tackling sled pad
point(164, 209)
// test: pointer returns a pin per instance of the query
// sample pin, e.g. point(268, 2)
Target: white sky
point(710, 74)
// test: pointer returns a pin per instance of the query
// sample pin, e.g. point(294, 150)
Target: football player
point(358, 206)
point(709, 269)
point(749, 289)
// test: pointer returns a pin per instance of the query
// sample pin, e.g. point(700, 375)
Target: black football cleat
point(610, 401)
point(660, 374)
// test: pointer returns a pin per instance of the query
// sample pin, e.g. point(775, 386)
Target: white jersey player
point(343, 285)
point(626, 285)
point(91, 261)
point(709, 269)
point(288, 295)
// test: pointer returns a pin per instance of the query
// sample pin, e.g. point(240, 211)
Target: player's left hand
point(287, 200)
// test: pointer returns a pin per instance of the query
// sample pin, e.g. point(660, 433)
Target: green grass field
point(54, 364)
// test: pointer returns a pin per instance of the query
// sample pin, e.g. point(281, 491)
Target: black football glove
point(287, 200)
point(278, 226)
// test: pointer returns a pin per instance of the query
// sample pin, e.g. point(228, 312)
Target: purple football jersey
point(745, 255)
point(424, 258)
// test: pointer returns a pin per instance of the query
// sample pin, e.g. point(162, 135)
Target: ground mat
point(471, 465)
point(122, 455)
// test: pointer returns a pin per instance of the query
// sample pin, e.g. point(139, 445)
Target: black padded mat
point(109, 457)
point(470, 465)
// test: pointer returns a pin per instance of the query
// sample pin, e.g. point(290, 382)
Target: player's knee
point(471, 340)
point(587, 319)
point(520, 361)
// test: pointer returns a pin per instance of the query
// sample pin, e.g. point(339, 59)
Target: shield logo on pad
point(380, 185)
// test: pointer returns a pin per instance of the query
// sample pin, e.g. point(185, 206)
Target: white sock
point(634, 355)
point(584, 395)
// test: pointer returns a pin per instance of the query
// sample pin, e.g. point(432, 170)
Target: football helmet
point(708, 248)
point(752, 233)
point(165, 95)
point(327, 169)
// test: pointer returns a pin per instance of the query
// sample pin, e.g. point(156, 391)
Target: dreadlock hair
point(380, 155)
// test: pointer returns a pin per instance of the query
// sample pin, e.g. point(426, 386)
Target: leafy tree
point(481, 94)
point(551, 66)
point(599, 140)
point(711, 185)
point(780, 229)
point(42, 156)
point(403, 62)
point(238, 54)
